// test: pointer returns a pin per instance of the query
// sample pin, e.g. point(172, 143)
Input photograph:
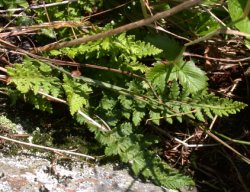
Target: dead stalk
point(46, 148)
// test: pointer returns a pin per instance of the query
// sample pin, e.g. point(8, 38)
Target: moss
point(7, 125)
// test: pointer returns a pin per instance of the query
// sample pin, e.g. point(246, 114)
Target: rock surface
point(29, 173)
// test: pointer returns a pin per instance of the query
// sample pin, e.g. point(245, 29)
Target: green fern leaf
point(76, 93)
point(199, 115)
point(125, 102)
point(137, 117)
point(155, 116)
point(34, 76)
point(107, 103)
point(126, 128)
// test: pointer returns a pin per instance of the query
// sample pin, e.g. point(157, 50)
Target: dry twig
point(46, 148)
point(121, 29)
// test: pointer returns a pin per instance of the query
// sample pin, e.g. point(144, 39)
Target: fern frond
point(122, 49)
point(76, 93)
point(132, 149)
point(205, 105)
point(33, 75)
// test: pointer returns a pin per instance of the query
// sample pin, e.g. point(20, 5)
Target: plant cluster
point(132, 80)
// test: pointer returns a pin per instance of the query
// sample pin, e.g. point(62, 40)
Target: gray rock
point(28, 173)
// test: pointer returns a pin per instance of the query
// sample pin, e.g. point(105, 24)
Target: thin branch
point(3, 69)
point(236, 170)
point(134, 25)
point(216, 59)
point(38, 6)
point(168, 32)
point(194, 145)
point(225, 30)
point(93, 121)
point(234, 32)
point(53, 24)
point(232, 140)
point(50, 97)
point(89, 119)
point(242, 157)
point(69, 63)
point(16, 33)
point(213, 15)
point(46, 148)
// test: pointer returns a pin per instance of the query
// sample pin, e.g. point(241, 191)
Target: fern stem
point(230, 139)
point(118, 89)
point(242, 157)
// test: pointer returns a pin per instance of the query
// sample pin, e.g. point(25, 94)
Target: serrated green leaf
point(28, 76)
point(137, 164)
point(190, 76)
point(75, 102)
point(199, 115)
point(125, 101)
point(137, 117)
point(44, 68)
point(105, 43)
point(169, 120)
point(108, 103)
point(126, 128)
point(126, 114)
point(112, 149)
point(76, 93)
point(155, 117)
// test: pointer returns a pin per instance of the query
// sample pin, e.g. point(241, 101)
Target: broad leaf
point(190, 76)
point(171, 49)
point(236, 11)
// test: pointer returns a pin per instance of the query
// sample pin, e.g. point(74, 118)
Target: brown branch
point(187, 54)
point(134, 25)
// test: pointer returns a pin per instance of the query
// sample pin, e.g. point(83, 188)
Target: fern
point(76, 93)
point(180, 91)
point(33, 75)
point(170, 88)
point(123, 52)
point(131, 148)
